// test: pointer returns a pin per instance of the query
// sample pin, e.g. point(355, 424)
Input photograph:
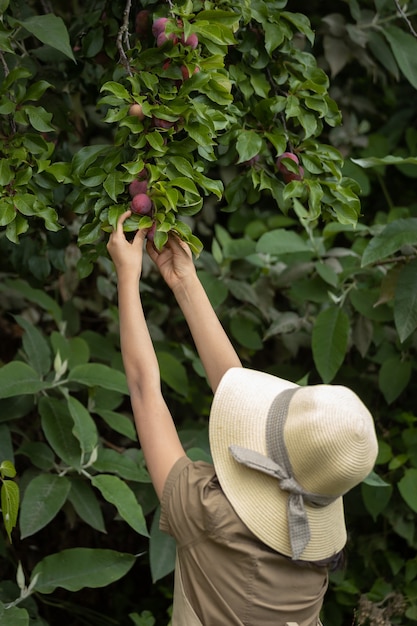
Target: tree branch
point(404, 17)
point(122, 40)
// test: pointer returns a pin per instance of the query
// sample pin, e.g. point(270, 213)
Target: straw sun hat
point(285, 455)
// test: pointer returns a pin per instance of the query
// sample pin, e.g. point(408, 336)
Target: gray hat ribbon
point(277, 464)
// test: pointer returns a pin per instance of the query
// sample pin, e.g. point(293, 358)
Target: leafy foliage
point(312, 271)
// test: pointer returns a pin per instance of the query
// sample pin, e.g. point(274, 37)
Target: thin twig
point(4, 64)
point(123, 38)
point(404, 17)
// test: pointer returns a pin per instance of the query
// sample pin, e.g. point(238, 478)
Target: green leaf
point(9, 505)
point(116, 491)
point(36, 346)
point(13, 616)
point(162, 550)
point(42, 500)
point(376, 500)
point(214, 287)
point(6, 446)
point(281, 241)
point(17, 378)
point(246, 332)
point(39, 453)
point(404, 49)
point(50, 30)
point(85, 429)
point(117, 90)
point(393, 237)
point(6, 174)
point(248, 145)
point(118, 422)
point(113, 185)
point(76, 568)
point(407, 488)
point(394, 377)
point(99, 375)
point(37, 296)
point(86, 156)
point(39, 118)
point(8, 212)
point(85, 503)
point(7, 469)
point(405, 302)
point(329, 341)
point(57, 426)
point(117, 463)
point(173, 373)
point(387, 160)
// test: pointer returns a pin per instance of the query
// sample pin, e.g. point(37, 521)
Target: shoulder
point(190, 497)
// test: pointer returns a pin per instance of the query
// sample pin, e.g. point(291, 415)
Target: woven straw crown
point(330, 440)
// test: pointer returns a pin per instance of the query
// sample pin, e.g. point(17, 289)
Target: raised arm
point(156, 430)
point(213, 345)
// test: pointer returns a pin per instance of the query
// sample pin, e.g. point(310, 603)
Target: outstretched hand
point(174, 261)
point(127, 256)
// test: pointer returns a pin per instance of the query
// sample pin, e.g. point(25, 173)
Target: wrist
point(187, 287)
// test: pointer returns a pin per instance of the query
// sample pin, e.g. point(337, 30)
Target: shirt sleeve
point(185, 510)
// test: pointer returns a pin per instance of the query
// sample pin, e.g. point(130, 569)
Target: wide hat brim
point(238, 417)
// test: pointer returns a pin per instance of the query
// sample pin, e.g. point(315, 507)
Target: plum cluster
point(141, 202)
point(162, 36)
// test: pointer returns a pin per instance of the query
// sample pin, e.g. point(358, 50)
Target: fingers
point(122, 220)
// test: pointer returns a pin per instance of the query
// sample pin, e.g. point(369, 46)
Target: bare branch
point(122, 40)
point(404, 17)
point(4, 64)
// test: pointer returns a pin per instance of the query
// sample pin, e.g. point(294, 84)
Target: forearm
point(139, 359)
point(154, 424)
point(213, 345)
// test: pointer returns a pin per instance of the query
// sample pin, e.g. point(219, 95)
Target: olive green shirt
point(230, 577)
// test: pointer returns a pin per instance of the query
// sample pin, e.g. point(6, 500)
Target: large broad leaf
point(394, 377)
point(404, 49)
point(407, 488)
point(394, 236)
point(99, 375)
point(76, 568)
point(281, 241)
point(405, 302)
point(57, 426)
point(162, 550)
point(17, 378)
point(85, 429)
point(36, 347)
point(329, 341)
point(173, 372)
point(85, 503)
point(50, 30)
point(390, 159)
point(42, 500)
point(13, 616)
point(376, 500)
point(115, 491)
point(37, 296)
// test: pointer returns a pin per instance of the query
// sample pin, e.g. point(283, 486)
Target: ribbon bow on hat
point(278, 465)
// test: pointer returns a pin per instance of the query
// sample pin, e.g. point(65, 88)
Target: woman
point(257, 531)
